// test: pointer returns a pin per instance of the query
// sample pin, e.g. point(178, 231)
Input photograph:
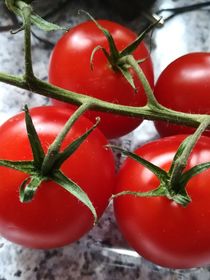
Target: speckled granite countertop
point(95, 256)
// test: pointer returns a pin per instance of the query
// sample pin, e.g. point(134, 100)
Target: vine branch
point(150, 113)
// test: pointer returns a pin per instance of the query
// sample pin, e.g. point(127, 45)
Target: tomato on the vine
point(159, 229)
point(70, 69)
point(184, 85)
point(54, 217)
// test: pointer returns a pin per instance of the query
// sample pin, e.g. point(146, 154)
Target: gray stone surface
point(96, 256)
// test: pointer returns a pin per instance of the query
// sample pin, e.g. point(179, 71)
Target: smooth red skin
point(160, 230)
point(69, 68)
point(184, 86)
point(54, 217)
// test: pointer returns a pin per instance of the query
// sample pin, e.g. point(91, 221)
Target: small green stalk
point(183, 153)
point(130, 60)
point(54, 149)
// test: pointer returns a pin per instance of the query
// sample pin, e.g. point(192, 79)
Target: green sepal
point(132, 47)
point(128, 76)
point(64, 155)
point(179, 178)
point(185, 148)
point(187, 175)
point(93, 54)
point(114, 53)
point(17, 8)
point(36, 146)
point(160, 191)
point(176, 190)
point(75, 190)
point(29, 187)
point(45, 25)
point(23, 166)
point(178, 153)
point(160, 173)
point(181, 198)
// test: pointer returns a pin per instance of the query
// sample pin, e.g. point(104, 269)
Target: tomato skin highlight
point(184, 85)
point(69, 68)
point(160, 230)
point(54, 217)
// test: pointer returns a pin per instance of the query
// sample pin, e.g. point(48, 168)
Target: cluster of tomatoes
point(162, 231)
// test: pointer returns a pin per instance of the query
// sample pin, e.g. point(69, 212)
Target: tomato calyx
point(46, 167)
point(164, 188)
point(173, 182)
point(116, 57)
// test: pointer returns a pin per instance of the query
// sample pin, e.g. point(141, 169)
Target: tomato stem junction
point(54, 149)
point(43, 167)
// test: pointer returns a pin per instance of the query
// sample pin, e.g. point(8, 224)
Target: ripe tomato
point(54, 217)
point(69, 68)
point(184, 86)
point(159, 229)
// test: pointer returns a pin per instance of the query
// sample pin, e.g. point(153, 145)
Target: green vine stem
point(27, 42)
point(130, 60)
point(45, 89)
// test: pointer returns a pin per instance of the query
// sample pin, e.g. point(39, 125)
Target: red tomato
point(184, 86)
point(54, 217)
point(159, 229)
point(69, 68)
